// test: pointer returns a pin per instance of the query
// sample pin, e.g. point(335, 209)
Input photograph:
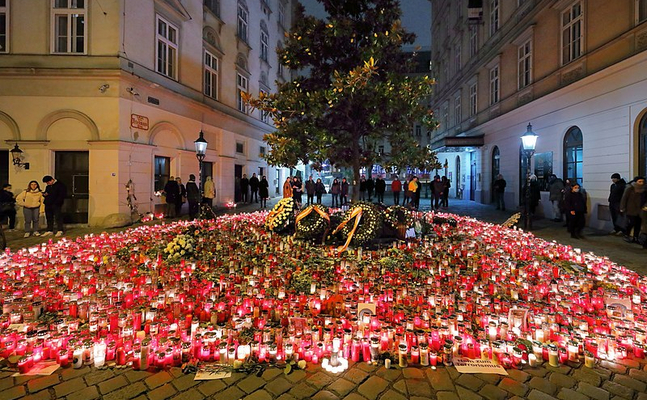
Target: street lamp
point(200, 151)
point(16, 156)
point(529, 141)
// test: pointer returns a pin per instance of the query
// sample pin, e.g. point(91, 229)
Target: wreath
point(281, 216)
point(362, 223)
point(397, 216)
point(313, 222)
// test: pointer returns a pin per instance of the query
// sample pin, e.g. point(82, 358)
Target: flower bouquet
point(281, 218)
point(181, 247)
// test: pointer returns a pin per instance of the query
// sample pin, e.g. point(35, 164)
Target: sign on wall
point(139, 121)
point(543, 168)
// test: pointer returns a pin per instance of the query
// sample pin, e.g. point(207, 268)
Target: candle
point(424, 354)
point(402, 355)
point(553, 356)
point(589, 360)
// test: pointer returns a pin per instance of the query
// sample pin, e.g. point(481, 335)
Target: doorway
point(238, 174)
point(73, 170)
point(4, 166)
point(472, 176)
point(496, 169)
point(459, 182)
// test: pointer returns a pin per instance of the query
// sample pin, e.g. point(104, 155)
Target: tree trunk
point(356, 169)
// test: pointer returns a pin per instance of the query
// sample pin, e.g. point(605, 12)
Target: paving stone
point(562, 380)
point(588, 376)
point(354, 396)
point(413, 373)
point(540, 371)
point(237, 376)
point(341, 386)
point(112, 384)
point(127, 392)
point(278, 386)
point(271, 373)
point(6, 383)
point(392, 395)
point(98, 376)
point(593, 391)
point(418, 387)
point(618, 389)
point(134, 376)
point(617, 368)
point(440, 379)
point(286, 396)
point(325, 395)
point(447, 396)
point(210, 387)
point(401, 386)
point(192, 394)
point(13, 393)
point(44, 382)
point(321, 379)
point(422, 398)
point(514, 387)
point(453, 372)
point(176, 372)
point(88, 393)
point(231, 393)
point(471, 382)
point(466, 394)
point(638, 374)
point(162, 392)
point(303, 391)
point(489, 378)
point(251, 384)
point(517, 375)
point(492, 392)
point(539, 395)
point(298, 375)
point(71, 373)
point(543, 385)
point(638, 386)
point(390, 374)
point(42, 395)
point(372, 387)
point(570, 394)
point(562, 369)
point(629, 363)
point(158, 379)
point(356, 375)
point(67, 387)
point(187, 381)
point(366, 367)
point(642, 396)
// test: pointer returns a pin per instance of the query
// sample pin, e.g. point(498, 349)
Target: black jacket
point(616, 191)
point(264, 189)
point(575, 202)
point(253, 183)
point(55, 194)
point(192, 192)
point(380, 185)
point(172, 191)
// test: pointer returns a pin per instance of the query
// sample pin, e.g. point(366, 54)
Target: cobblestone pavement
point(626, 379)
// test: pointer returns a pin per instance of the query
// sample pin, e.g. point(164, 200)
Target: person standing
point(380, 188)
point(209, 192)
point(192, 196)
point(264, 191)
point(499, 192)
point(344, 191)
point(370, 185)
point(297, 190)
point(8, 205)
point(181, 199)
point(335, 190)
point(362, 188)
point(244, 189)
point(535, 194)
point(287, 188)
point(172, 191)
point(31, 199)
point(444, 201)
point(310, 190)
point(55, 194)
point(616, 191)
point(320, 190)
point(575, 206)
point(555, 188)
point(438, 189)
point(253, 186)
point(413, 190)
point(630, 206)
point(396, 188)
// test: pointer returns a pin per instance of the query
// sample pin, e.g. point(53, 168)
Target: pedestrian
point(244, 189)
point(396, 188)
point(310, 190)
point(407, 193)
point(437, 189)
point(192, 196)
point(264, 191)
point(335, 190)
point(413, 191)
point(31, 200)
point(297, 190)
point(642, 238)
point(55, 194)
point(417, 193)
point(616, 191)
point(208, 192)
point(253, 187)
point(344, 191)
point(172, 192)
point(8, 206)
point(320, 190)
point(444, 201)
point(499, 192)
point(287, 188)
point(630, 206)
point(575, 206)
point(362, 188)
point(380, 188)
point(181, 198)
point(370, 185)
point(555, 188)
point(535, 194)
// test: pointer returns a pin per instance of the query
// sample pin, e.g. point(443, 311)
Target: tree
point(356, 95)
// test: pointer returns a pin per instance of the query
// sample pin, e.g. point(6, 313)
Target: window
point(162, 172)
point(572, 40)
point(264, 114)
point(641, 11)
point(211, 75)
point(213, 6)
point(242, 22)
point(642, 147)
point(525, 64)
point(445, 124)
point(573, 155)
point(473, 99)
point(494, 85)
point(474, 40)
point(265, 40)
point(281, 16)
point(380, 150)
point(418, 129)
point(167, 45)
point(68, 22)
point(494, 16)
point(457, 57)
point(240, 147)
point(241, 86)
point(279, 47)
point(458, 117)
point(4, 25)
point(261, 151)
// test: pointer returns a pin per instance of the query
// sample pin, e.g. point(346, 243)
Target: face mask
point(576, 190)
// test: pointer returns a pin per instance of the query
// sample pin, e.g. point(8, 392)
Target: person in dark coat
point(575, 206)
point(193, 196)
point(320, 190)
point(380, 188)
point(555, 188)
point(444, 201)
point(8, 205)
point(499, 192)
point(55, 194)
point(362, 188)
point(335, 190)
point(264, 191)
point(181, 198)
point(438, 190)
point(535, 194)
point(370, 185)
point(244, 189)
point(630, 206)
point(344, 191)
point(172, 192)
point(616, 191)
point(253, 187)
point(310, 190)
point(297, 190)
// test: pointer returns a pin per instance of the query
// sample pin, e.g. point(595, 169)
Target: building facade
point(100, 94)
point(574, 69)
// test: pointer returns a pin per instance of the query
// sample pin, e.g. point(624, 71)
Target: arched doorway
point(459, 186)
point(573, 155)
point(642, 146)
point(496, 168)
point(524, 167)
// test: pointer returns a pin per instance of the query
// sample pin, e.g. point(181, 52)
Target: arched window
point(496, 165)
point(458, 186)
point(642, 157)
point(573, 155)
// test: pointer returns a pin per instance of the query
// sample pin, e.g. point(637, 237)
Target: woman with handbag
point(31, 200)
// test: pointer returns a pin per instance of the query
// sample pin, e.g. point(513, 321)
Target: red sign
point(139, 121)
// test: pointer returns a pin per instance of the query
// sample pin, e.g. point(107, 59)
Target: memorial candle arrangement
point(229, 291)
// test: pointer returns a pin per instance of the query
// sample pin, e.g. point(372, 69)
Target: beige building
point(98, 94)
point(574, 69)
